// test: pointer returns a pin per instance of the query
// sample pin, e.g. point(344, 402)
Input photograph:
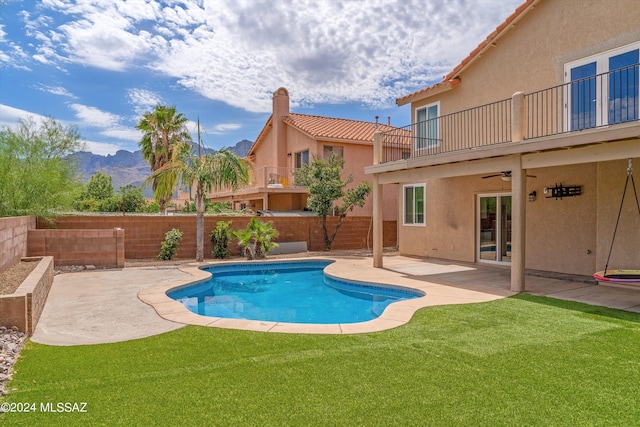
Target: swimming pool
point(292, 291)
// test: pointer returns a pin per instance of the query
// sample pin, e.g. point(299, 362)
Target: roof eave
point(428, 92)
point(493, 38)
point(261, 136)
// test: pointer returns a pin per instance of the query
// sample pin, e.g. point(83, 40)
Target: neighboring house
point(290, 140)
point(519, 156)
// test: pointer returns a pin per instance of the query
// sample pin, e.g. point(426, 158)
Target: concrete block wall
point(99, 247)
point(24, 307)
point(144, 234)
point(13, 239)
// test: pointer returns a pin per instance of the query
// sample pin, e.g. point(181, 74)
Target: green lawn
point(523, 360)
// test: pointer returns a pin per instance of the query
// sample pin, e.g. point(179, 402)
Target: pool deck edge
point(354, 269)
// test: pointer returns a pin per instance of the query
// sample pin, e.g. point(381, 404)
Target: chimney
point(280, 111)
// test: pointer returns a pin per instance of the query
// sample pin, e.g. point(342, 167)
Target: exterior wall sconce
point(288, 154)
point(532, 196)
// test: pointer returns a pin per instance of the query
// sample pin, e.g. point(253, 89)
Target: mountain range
point(126, 167)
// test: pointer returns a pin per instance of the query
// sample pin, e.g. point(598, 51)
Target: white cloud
point(56, 90)
point(9, 116)
point(92, 116)
point(127, 134)
point(225, 127)
point(143, 100)
point(239, 52)
point(101, 148)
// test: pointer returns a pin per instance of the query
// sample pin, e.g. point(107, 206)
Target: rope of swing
point(615, 230)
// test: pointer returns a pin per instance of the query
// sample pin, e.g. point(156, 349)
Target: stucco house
point(519, 156)
point(287, 141)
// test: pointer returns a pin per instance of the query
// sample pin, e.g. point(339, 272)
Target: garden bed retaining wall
point(24, 307)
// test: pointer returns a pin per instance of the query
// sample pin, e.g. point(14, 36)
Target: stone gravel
point(11, 341)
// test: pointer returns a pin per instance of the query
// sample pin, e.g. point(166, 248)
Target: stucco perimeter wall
point(24, 307)
point(572, 235)
point(89, 246)
point(144, 234)
point(13, 239)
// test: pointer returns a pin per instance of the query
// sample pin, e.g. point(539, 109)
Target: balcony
point(596, 102)
point(272, 177)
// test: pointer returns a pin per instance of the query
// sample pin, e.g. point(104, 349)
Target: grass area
point(523, 360)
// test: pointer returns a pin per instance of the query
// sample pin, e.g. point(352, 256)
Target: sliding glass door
point(494, 228)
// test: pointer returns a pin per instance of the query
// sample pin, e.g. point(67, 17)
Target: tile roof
point(319, 127)
point(484, 45)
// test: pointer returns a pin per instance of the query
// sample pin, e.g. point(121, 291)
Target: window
point(427, 135)
point(414, 204)
point(331, 149)
point(603, 89)
point(301, 158)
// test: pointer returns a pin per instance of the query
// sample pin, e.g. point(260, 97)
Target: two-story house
point(520, 155)
point(288, 141)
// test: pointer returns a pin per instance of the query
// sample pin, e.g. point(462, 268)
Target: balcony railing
point(272, 177)
point(484, 125)
point(596, 101)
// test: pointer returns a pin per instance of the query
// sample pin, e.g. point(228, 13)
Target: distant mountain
point(242, 148)
point(126, 167)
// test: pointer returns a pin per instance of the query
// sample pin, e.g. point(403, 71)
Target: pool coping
point(394, 315)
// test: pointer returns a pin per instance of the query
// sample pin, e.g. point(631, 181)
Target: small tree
point(97, 194)
point(130, 199)
point(37, 174)
point(325, 186)
point(220, 237)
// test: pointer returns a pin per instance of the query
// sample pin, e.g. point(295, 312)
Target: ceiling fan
point(505, 175)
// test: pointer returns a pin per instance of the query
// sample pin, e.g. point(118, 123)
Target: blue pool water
point(293, 291)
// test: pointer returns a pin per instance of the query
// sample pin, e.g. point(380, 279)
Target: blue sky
point(100, 64)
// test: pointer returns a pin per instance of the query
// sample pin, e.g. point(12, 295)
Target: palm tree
point(165, 131)
point(245, 236)
point(216, 171)
point(263, 234)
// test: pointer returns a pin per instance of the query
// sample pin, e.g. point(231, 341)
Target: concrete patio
point(93, 307)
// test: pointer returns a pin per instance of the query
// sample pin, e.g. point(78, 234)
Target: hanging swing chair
point(620, 276)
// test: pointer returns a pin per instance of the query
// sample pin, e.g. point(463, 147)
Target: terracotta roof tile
point(320, 127)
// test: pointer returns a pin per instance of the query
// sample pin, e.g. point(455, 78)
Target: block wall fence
point(144, 234)
point(98, 247)
point(13, 239)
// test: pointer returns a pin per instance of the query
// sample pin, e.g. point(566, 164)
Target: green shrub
point(152, 207)
point(170, 244)
point(220, 239)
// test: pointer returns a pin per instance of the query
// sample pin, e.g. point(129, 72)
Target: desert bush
point(170, 244)
point(220, 237)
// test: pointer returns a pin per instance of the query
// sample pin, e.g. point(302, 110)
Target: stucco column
point(518, 117)
point(377, 204)
point(377, 223)
point(518, 224)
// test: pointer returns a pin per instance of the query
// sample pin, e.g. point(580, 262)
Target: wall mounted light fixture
point(288, 154)
point(532, 196)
